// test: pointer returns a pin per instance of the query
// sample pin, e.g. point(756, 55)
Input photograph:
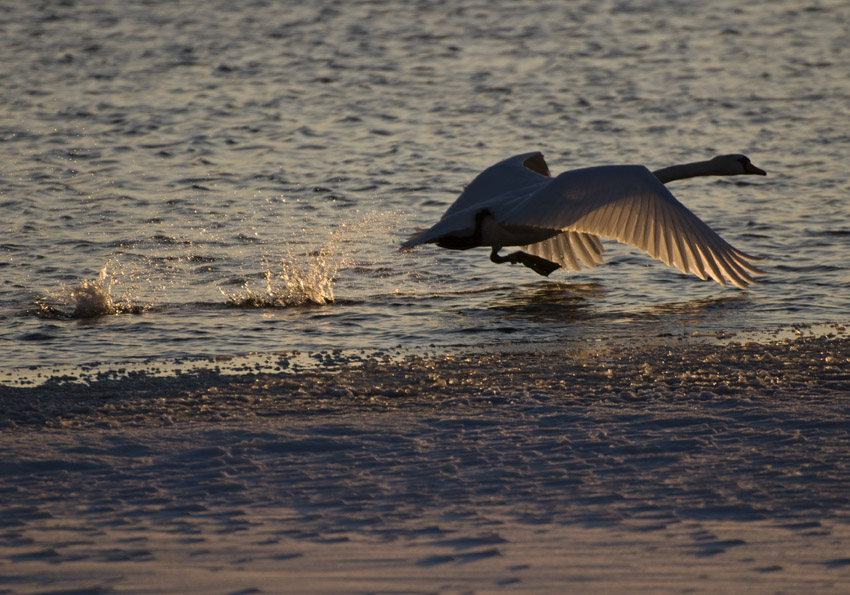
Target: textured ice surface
point(642, 468)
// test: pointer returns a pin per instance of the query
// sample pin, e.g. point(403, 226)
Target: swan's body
point(556, 220)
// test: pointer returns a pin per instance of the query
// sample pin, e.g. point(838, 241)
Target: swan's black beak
point(752, 169)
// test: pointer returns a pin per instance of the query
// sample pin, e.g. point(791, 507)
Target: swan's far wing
point(498, 186)
point(512, 176)
point(628, 204)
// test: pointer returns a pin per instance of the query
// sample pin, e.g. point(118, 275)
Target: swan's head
point(735, 165)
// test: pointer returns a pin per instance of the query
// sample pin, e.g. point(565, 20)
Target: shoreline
point(806, 366)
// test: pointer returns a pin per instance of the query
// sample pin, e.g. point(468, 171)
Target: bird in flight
point(557, 222)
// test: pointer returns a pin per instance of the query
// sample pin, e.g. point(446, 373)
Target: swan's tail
point(414, 240)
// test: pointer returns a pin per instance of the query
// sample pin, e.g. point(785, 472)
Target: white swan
point(556, 220)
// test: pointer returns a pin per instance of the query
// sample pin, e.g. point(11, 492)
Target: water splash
point(300, 280)
point(92, 298)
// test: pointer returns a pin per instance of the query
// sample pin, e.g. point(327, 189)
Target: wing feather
point(707, 248)
point(562, 251)
point(569, 249)
point(665, 247)
point(596, 248)
point(678, 244)
point(581, 249)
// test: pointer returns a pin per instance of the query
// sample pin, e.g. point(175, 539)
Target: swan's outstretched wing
point(570, 249)
point(512, 176)
point(496, 188)
point(628, 204)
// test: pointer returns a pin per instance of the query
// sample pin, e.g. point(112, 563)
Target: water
point(185, 181)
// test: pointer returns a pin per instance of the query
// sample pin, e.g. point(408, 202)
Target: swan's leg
point(494, 256)
point(537, 264)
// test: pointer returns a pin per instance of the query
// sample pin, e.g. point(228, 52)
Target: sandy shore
point(659, 468)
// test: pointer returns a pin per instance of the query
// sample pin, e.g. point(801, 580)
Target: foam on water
point(91, 298)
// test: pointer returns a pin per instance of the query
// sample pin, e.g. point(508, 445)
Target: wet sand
point(634, 468)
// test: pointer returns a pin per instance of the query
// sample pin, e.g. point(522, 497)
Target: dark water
point(182, 181)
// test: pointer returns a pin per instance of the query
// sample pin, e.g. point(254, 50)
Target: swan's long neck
point(688, 170)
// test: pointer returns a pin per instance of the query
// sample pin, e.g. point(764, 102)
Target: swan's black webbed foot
point(539, 265)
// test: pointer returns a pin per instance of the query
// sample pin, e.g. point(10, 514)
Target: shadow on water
point(558, 310)
point(548, 302)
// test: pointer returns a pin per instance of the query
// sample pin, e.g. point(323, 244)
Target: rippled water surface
point(184, 180)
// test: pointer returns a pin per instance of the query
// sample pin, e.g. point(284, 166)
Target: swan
point(557, 221)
